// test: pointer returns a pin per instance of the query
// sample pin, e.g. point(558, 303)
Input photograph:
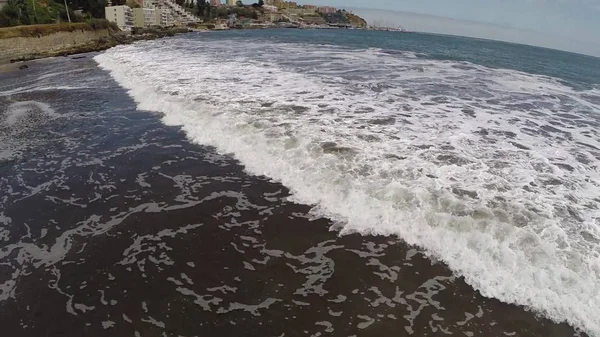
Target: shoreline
point(118, 38)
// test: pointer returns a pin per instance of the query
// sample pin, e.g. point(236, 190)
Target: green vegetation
point(343, 17)
point(133, 4)
point(203, 9)
point(207, 12)
point(92, 8)
point(356, 20)
point(29, 12)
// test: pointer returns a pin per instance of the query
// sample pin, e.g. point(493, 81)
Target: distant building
point(171, 13)
point(270, 8)
point(166, 18)
point(232, 21)
point(138, 17)
point(3, 3)
point(231, 2)
point(299, 11)
point(290, 4)
point(313, 7)
point(281, 3)
point(121, 15)
point(314, 20)
point(215, 3)
point(274, 17)
point(327, 9)
point(146, 17)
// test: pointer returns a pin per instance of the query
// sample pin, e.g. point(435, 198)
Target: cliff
point(343, 17)
point(356, 20)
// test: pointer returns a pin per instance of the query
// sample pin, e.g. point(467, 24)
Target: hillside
point(356, 20)
point(343, 17)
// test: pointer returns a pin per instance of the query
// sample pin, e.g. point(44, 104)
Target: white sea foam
point(23, 112)
point(492, 171)
point(16, 120)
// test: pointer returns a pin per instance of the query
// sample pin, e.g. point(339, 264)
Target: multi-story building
point(276, 3)
point(138, 17)
point(327, 9)
point(146, 17)
point(231, 2)
point(270, 8)
point(282, 3)
point(171, 13)
point(215, 3)
point(121, 15)
point(166, 19)
point(274, 17)
point(299, 11)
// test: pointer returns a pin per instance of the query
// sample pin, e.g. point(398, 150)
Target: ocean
point(302, 183)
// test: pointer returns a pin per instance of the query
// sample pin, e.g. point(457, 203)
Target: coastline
point(115, 38)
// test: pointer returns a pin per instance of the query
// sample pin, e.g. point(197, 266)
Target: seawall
point(31, 42)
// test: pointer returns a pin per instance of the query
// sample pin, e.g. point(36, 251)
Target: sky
point(572, 25)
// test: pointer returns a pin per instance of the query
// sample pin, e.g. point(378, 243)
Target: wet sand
point(118, 226)
point(10, 67)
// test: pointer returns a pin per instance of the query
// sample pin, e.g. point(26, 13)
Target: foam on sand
point(492, 171)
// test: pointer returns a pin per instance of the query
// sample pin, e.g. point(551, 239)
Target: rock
point(24, 67)
point(78, 57)
point(464, 193)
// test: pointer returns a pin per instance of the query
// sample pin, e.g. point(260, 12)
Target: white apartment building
point(146, 17)
point(171, 13)
point(121, 15)
point(166, 18)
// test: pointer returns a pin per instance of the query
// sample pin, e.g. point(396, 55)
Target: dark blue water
point(580, 71)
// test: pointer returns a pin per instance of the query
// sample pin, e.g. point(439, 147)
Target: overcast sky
point(572, 25)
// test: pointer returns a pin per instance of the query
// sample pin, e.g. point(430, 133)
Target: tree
point(94, 7)
point(200, 7)
point(239, 3)
point(9, 15)
point(261, 3)
point(208, 12)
